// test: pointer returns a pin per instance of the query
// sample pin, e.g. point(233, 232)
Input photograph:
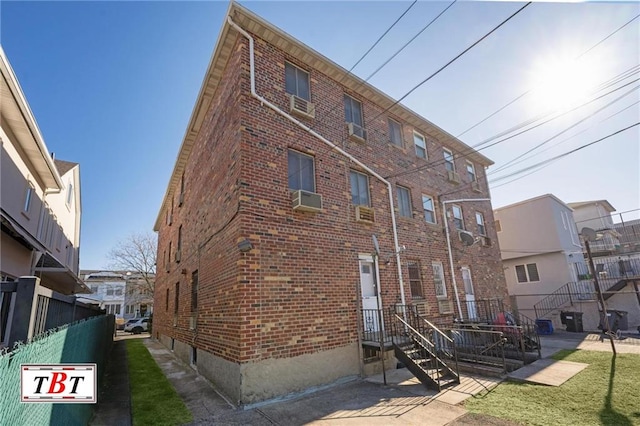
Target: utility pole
point(607, 330)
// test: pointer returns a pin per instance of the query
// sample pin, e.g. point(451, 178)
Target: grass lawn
point(605, 393)
point(154, 401)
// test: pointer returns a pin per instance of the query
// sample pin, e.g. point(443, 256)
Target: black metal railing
point(374, 326)
point(565, 295)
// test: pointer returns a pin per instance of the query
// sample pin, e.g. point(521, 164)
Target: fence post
point(20, 314)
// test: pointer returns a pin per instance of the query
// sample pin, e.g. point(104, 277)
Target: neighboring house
point(540, 247)
point(265, 234)
point(616, 255)
point(40, 214)
point(124, 294)
point(108, 289)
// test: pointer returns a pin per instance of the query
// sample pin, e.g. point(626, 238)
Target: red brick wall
point(297, 291)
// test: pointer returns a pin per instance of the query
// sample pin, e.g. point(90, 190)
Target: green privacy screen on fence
point(87, 341)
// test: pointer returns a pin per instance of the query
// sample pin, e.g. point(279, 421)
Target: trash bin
point(563, 317)
point(544, 327)
point(617, 320)
point(573, 321)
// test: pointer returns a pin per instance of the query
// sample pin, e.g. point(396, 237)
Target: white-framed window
point(438, 280)
point(28, 197)
point(471, 172)
point(448, 160)
point(359, 188)
point(118, 291)
point(302, 173)
point(415, 281)
point(404, 201)
point(458, 219)
point(113, 309)
point(395, 132)
point(421, 145)
point(429, 209)
point(352, 111)
point(110, 291)
point(480, 224)
point(297, 81)
point(527, 273)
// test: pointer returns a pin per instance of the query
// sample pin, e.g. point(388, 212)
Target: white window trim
point(446, 151)
point(473, 168)
point(444, 284)
point(435, 216)
point(370, 201)
point(453, 214)
point(526, 271)
point(424, 140)
point(313, 171)
point(482, 222)
point(308, 80)
point(398, 188)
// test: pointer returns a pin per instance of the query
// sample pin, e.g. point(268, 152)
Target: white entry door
point(369, 296)
point(469, 293)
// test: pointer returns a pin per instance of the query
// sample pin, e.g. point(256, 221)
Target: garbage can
point(544, 327)
point(617, 320)
point(573, 321)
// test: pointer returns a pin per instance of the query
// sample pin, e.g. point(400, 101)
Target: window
point(458, 221)
point(296, 81)
point(448, 160)
point(181, 197)
point(169, 258)
point(527, 273)
point(404, 201)
point(421, 145)
point(112, 309)
point(110, 291)
point(194, 291)
point(166, 307)
point(301, 171)
point(414, 280)
point(438, 280)
point(118, 292)
point(28, 196)
point(359, 188)
point(480, 224)
point(69, 194)
point(176, 299)
point(471, 172)
point(352, 111)
point(429, 209)
point(179, 246)
point(395, 132)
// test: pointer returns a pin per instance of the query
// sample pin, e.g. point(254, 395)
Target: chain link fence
point(87, 341)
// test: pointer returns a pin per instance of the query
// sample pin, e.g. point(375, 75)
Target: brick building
point(265, 232)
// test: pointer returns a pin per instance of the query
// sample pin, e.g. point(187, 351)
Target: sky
point(112, 86)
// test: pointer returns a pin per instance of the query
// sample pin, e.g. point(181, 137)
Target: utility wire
point(528, 91)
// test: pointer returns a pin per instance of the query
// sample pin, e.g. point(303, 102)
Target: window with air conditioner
point(458, 220)
point(301, 171)
point(395, 132)
point(429, 209)
point(404, 201)
point(415, 281)
point(438, 280)
point(354, 118)
point(448, 160)
point(421, 145)
point(298, 87)
point(359, 188)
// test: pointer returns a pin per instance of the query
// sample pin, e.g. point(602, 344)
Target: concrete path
point(114, 400)
point(404, 401)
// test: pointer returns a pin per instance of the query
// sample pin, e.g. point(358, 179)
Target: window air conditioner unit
point(365, 214)
point(421, 308)
point(306, 201)
point(485, 241)
point(301, 107)
point(453, 176)
point(357, 133)
point(178, 256)
point(475, 186)
point(192, 322)
point(445, 306)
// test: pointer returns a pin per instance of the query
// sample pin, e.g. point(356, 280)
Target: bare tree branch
point(137, 254)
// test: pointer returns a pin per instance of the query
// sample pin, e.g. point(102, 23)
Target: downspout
point(263, 101)
point(446, 228)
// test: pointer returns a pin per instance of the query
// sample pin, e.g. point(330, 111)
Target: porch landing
point(547, 372)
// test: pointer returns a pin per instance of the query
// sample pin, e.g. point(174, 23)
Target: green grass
point(605, 393)
point(154, 401)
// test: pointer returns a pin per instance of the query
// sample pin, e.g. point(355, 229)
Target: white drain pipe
point(263, 101)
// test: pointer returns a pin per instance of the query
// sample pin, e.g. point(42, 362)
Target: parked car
point(137, 325)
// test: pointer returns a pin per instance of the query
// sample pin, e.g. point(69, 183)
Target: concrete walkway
point(114, 400)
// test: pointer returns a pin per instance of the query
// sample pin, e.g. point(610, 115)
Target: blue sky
point(112, 86)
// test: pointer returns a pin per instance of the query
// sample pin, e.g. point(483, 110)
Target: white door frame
point(376, 279)
point(471, 304)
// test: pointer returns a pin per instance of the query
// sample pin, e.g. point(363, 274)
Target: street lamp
point(446, 227)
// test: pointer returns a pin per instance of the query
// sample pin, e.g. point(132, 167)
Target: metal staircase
point(425, 350)
point(565, 296)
